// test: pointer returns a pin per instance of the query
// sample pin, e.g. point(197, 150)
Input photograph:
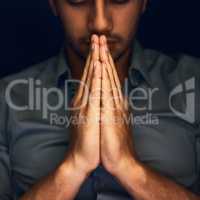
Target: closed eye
point(120, 1)
point(76, 2)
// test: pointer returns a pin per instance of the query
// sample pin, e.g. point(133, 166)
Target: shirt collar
point(137, 65)
point(64, 71)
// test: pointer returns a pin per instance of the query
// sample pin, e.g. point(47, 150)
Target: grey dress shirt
point(166, 131)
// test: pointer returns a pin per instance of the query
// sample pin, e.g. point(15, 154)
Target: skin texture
point(102, 99)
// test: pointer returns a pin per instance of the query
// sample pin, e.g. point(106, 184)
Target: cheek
point(125, 21)
point(74, 22)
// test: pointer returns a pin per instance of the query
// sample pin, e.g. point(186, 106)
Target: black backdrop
point(29, 33)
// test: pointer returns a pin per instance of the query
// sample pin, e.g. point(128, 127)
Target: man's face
point(116, 19)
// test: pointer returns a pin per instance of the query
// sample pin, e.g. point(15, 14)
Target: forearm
point(145, 184)
point(62, 184)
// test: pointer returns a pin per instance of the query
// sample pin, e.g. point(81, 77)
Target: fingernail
point(103, 39)
point(93, 46)
point(93, 38)
point(106, 48)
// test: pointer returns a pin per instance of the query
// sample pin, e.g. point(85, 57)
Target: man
point(106, 156)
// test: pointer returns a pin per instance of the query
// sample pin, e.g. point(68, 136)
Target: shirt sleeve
point(5, 172)
point(197, 109)
point(189, 67)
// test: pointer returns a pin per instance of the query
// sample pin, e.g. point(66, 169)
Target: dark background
point(30, 33)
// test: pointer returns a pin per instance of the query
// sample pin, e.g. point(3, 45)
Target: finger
point(104, 58)
point(79, 93)
point(124, 100)
point(95, 57)
point(114, 89)
point(95, 47)
point(108, 57)
point(103, 55)
point(95, 94)
point(115, 75)
point(86, 77)
point(111, 62)
point(107, 98)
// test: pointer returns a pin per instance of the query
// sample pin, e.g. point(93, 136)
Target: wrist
point(70, 173)
point(77, 165)
point(124, 167)
point(131, 175)
point(67, 179)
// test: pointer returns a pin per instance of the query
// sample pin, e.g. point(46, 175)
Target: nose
point(100, 21)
